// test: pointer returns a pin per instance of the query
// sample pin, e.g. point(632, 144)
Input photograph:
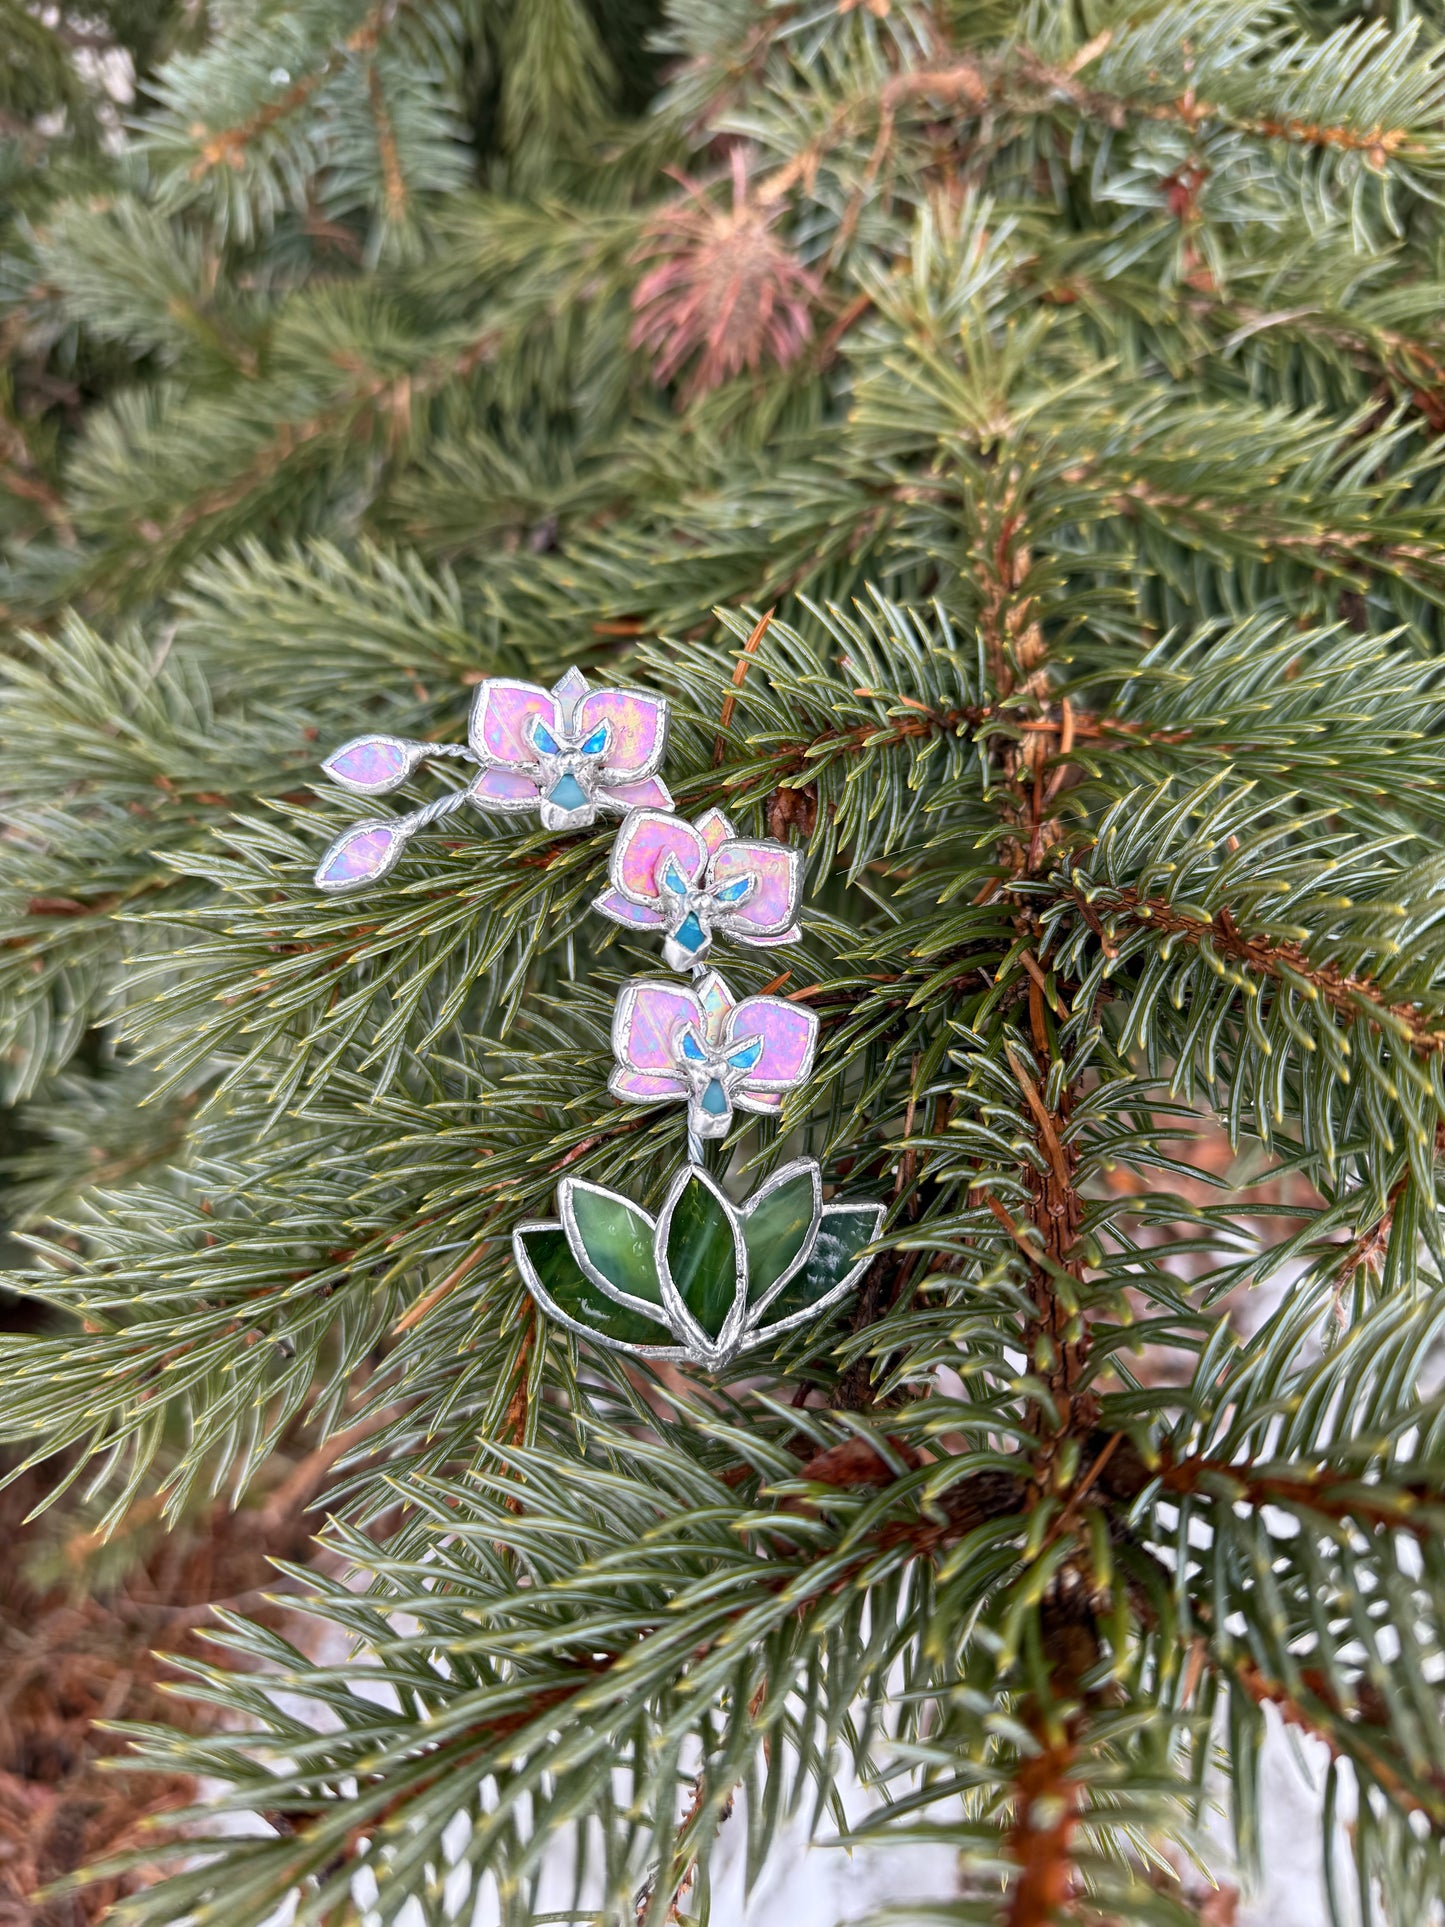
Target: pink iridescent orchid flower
point(696, 1042)
point(692, 879)
point(568, 751)
point(565, 752)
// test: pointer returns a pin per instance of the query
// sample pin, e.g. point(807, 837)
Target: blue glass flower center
point(714, 1099)
point(567, 793)
point(690, 933)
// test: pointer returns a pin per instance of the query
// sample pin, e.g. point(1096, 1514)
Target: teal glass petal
point(746, 1055)
point(776, 1229)
point(567, 793)
point(703, 1254)
point(715, 1099)
point(690, 933)
point(614, 1236)
point(844, 1232)
point(574, 1294)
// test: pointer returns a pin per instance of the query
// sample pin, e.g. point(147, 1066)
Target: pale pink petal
point(645, 1087)
point(638, 727)
point(793, 934)
point(714, 829)
point(501, 712)
point(360, 855)
point(643, 845)
point(774, 902)
point(374, 763)
point(649, 1011)
point(613, 904)
point(789, 1034)
point(504, 789)
point(650, 794)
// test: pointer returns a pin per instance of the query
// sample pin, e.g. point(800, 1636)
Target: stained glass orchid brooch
point(710, 1277)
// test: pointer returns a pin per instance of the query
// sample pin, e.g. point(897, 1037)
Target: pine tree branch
point(227, 146)
point(1028, 779)
point(1282, 960)
point(396, 189)
point(373, 399)
point(1323, 1491)
point(1367, 1721)
point(1022, 83)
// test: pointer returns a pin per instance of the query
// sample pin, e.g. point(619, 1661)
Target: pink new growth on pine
point(725, 288)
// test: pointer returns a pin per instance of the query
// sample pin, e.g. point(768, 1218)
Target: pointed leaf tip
point(779, 1223)
point(611, 1238)
point(833, 1268)
point(699, 1242)
point(372, 764)
point(360, 855)
point(555, 1279)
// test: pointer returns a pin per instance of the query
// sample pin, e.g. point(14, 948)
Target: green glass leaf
point(702, 1253)
point(614, 1236)
point(574, 1293)
point(776, 1226)
point(845, 1232)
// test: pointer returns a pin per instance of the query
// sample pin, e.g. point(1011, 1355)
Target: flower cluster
point(567, 753)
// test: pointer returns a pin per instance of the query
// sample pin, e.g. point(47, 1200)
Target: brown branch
point(395, 180)
point(518, 1404)
point(1280, 959)
point(1320, 1489)
point(1032, 757)
point(226, 146)
point(1047, 1805)
point(1019, 82)
point(1369, 1710)
point(739, 676)
point(414, 1314)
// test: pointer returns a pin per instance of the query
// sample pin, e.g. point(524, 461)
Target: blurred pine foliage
point(1069, 382)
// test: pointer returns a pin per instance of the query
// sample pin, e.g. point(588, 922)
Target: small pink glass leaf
point(638, 915)
point(638, 729)
point(504, 789)
point(360, 855)
point(772, 904)
point(714, 829)
point(650, 794)
point(717, 1004)
point(371, 763)
point(648, 1015)
point(501, 714)
point(643, 845)
point(789, 1034)
point(646, 1087)
point(569, 687)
